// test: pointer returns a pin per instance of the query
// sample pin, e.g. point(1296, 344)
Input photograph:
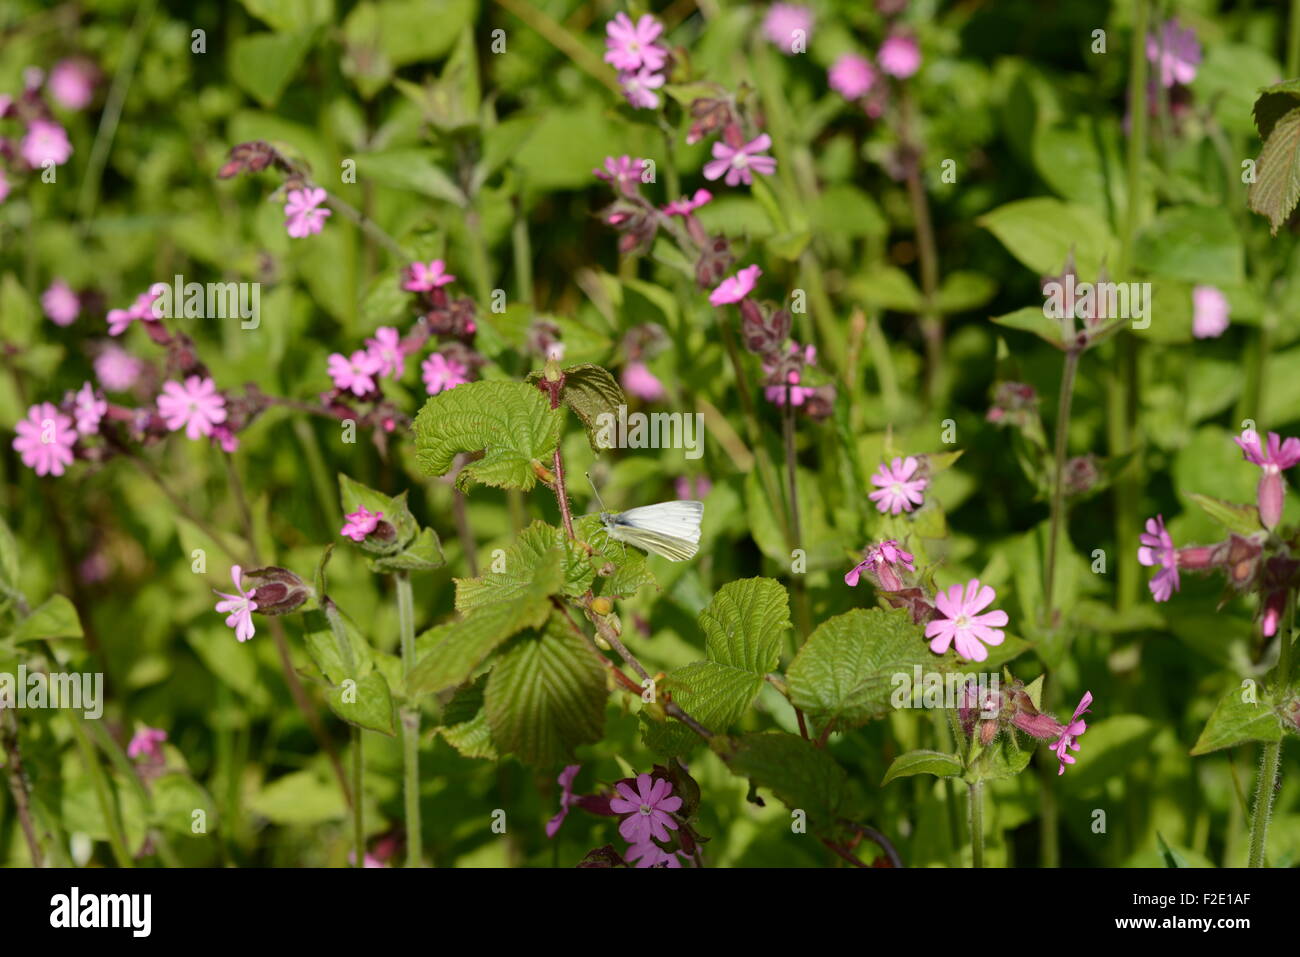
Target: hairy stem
point(977, 823)
point(1058, 478)
point(1265, 789)
point(103, 792)
point(410, 720)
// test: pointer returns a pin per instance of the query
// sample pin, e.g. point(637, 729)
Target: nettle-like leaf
point(465, 724)
point(744, 626)
point(511, 423)
point(590, 391)
point(538, 548)
point(631, 570)
point(801, 776)
point(1276, 189)
point(923, 762)
point(1237, 721)
point(459, 647)
point(546, 695)
point(1273, 103)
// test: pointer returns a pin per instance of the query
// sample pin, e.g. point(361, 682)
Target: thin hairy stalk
point(19, 786)
point(1271, 758)
point(410, 720)
point(977, 823)
point(1057, 520)
point(358, 766)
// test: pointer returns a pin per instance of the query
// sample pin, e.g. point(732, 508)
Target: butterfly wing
point(670, 529)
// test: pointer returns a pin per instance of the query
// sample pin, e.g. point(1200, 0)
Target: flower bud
point(279, 591)
point(1270, 493)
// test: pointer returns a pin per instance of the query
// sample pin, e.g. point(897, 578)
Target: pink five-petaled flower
point(385, 347)
point(963, 623)
point(117, 369)
point(688, 204)
point(355, 374)
point(881, 560)
point(899, 56)
point(641, 382)
point(851, 76)
point(147, 743)
point(422, 278)
point(639, 86)
point(1157, 548)
point(631, 46)
point(788, 26)
point(142, 309)
point(1278, 455)
point(196, 406)
point(302, 213)
point(88, 409)
point(1209, 312)
point(45, 142)
point(360, 523)
point(737, 162)
point(565, 780)
point(45, 439)
point(649, 809)
point(238, 608)
point(72, 83)
point(896, 489)
point(1071, 733)
point(623, 173)
point(1177, 51)
point(441, 373)
point(60, 303)
point(735, 288)
point(651, 854)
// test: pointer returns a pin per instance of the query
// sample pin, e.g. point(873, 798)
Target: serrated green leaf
point(802, 777)
point(745, 623)
point(539, 550)
point(465, 724)
point(1273, 103)
point(546, 695)
point(1276, 189)
point(923, 762)
point(512, 423)
point(1236, 721)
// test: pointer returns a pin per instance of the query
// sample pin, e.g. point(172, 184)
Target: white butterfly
point(670, 529)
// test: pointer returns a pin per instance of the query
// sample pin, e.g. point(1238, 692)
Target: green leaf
point(1193, 243)
point(923, 762)
point(8, 561)
point(366, 703)
point(1243, 519)
point(546, 695)
point(1171, 857)
point(264, 63)
point(845, 670)
point(1236, 721)
point(1032, 319)
point(465, 724)
point(460, 647)
point(590, 391)
point(1040, 232)
point(323, 647)
point(1273, 103)
point(56, 618)
point(539, 551)
point(301, 798)
point(422, 555)
point(511, 422)
point(290, 15)
point(963, 291)
point(802, 777)
point(889, 288)
point(413, 170)
point(1276, 189)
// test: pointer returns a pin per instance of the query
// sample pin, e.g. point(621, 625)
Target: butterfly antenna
point(597, 492)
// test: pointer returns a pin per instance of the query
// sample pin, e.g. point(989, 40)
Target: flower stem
point(977, 823)
point(1058, 478)
point(1265, 788)
point(358, 770)
point(410, 721)
point(18, 784)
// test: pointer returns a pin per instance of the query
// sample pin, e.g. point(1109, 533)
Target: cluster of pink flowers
point(857, 79)
point(631, 49)
point(44, 143)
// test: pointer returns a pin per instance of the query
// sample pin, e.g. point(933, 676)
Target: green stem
point(927, 252)
point(124, 767)
point(1293, 41)
point(358, 771)
point(410, 721)
point(1058, 477)
point(977, 823)
point(103, 795)
point(1265, 788)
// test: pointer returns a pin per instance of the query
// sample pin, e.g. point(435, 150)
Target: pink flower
point(651, 854)
point(693, 488)
point(147, 743)
point(142, 309)
point(302, 217)
point(356, 374)
point(737, 162)
point(632, 46)
point(851, 76)
point(239, 607)
point(641, 382)
point(88, 409)
point(623, 173)
point(441, 373)
point(963, 623)
point(45, 142)
point(899, 56)
point(1157, 548)
point(565, 780)
point(385, 348)
point(45, 440)
point(117, 369)
point(1209, 312)
point(896, 490)
point(881, 560)
point(60, 303)
point(422, 278)
point(735, 288)
point(197, 406)
point(649, 809)
point(360, 523)
point(1177, 51)
point(688, 204)
point(788, 26)
point(1069, 738)
point(72, 83)
point(639, 86)
point(228, 441)
point(1278, 456)
point(797, 394)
